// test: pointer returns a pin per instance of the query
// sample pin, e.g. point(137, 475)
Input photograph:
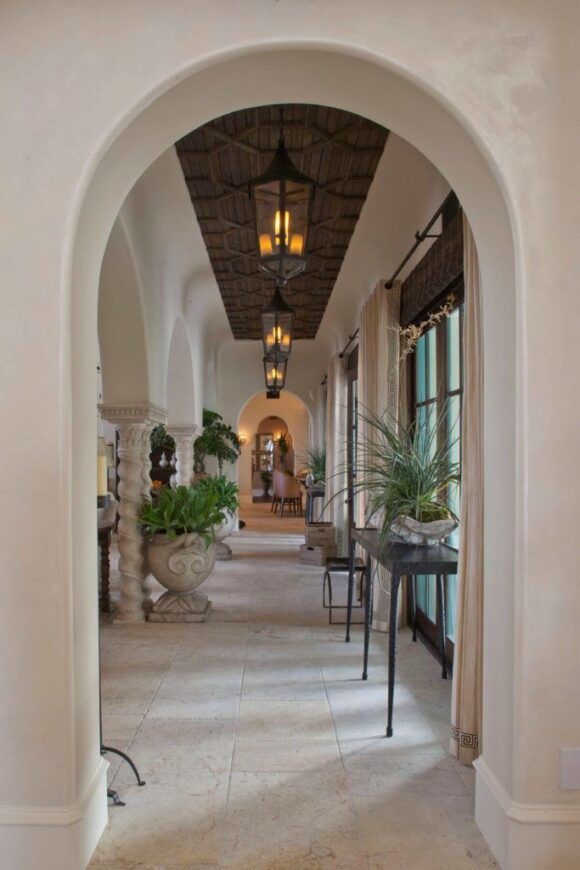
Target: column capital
point(140, 413)
point(189, 430)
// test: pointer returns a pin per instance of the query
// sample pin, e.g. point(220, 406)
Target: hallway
point(261, 747)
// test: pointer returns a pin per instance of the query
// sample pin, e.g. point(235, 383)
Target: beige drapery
point(336, 414)
point(378, 392)
point(467, 668)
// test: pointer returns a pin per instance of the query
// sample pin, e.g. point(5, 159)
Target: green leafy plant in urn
point(180, 540)
point(226, 492)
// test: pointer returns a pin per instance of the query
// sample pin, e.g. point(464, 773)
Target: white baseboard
point(525, 836)
point(55, 838)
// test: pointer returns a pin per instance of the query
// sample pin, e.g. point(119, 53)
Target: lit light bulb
point(277, 227)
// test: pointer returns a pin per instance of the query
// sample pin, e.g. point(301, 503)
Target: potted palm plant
point(226, 492)
point(179, 528)
point(406, 476)
point(218, 439)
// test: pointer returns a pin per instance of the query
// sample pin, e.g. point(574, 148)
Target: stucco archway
point(337, 77)
point(180, 386)
point(121, 326)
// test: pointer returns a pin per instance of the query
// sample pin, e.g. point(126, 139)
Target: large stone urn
point(181, 565)
point(225, 528)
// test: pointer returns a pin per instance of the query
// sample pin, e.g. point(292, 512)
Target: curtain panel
point(336, 480)
point(378, 392)
point(467, 668)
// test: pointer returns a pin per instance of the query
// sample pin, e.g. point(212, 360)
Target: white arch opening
point(366, 86)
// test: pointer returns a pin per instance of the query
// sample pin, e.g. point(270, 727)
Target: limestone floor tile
point(277, 820)
point(404, 778)
point(283, 680)
point(154, 866)
point(398, 823)
point(285, 720)
point(286, 756)
point(187, 754)
point(450, 857)
point(161, 825)
point(178, 701)
point(273, 632)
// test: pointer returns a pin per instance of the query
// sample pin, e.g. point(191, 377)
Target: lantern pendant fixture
point(282, 202)
point(277, 322)
point(275, 375)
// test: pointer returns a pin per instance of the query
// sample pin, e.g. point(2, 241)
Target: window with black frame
point(352, 433)
point(437, 377)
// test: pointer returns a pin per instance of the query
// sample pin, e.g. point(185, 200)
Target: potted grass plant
point(227, 495)
point(315, 464)
point(180, 539)
point(406, 476)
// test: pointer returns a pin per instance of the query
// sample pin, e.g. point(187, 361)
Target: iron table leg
point(442, 624)
point(351, 551)
point(395, 581)
point(368, 615)
point(413, 588)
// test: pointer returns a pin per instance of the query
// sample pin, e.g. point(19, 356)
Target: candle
point(297, 244)
point(265, 245)
point(102, 481)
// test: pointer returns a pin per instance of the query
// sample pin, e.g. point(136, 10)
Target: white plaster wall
point(405, 193)
point(124, 356)
point(174, 278)
point(487, 90)
point(294, 413)
point(180, 389)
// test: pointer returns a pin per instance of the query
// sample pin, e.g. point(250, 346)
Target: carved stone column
point(146, 496)
point(183, 437)
point(134, 424)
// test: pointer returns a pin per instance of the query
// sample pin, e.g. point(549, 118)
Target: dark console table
point(400, 560)
point(312, 493)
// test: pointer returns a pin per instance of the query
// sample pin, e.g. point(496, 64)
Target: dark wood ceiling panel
point(340, 151)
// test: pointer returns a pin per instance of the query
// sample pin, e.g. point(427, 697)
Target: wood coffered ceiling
point(340, 151)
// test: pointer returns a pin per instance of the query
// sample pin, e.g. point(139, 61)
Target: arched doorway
point(261, 418)
point(372, 89)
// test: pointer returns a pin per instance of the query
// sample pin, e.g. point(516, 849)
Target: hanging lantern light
point(275, 376)
point(277, 321)
point(282, 202)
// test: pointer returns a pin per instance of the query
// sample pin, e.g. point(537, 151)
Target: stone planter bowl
point(226, 527)
point(405, 530)
point(180, 564)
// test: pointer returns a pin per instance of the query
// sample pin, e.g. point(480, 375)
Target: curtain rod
point(419, 238)
point(351, 338)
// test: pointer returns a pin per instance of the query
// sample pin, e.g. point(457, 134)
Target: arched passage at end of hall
point(298, 419)
point(342, 77)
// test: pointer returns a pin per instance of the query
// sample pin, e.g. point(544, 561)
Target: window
point(438, 383)
point(352, 434)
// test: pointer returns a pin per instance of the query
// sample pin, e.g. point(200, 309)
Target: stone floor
point(260, 745)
